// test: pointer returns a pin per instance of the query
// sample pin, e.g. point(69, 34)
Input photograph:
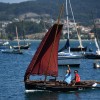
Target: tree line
point(25, 28)
point(81, 8)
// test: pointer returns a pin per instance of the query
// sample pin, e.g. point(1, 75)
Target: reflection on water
point(77, 96)
point(52, 96)
point(41, 96)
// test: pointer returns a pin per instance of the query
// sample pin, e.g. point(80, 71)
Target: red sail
point(45, 60)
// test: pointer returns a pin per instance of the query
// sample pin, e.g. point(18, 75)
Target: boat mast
point(23, 34)
point(67, 22)
point(17, 38)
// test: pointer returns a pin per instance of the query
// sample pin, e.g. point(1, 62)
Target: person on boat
point(67, 78)
point(76, 79)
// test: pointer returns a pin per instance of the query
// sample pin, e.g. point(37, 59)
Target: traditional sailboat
point(25, 45)
point(11, 50)
point(45, 63)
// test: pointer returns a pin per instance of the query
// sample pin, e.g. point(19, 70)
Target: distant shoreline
point(41, 39)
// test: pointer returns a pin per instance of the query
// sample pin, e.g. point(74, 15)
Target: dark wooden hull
point(56, 87)
point(78, 49)
point(22, 47)
point(12, 51)
point(71, 65)
point(92, 56)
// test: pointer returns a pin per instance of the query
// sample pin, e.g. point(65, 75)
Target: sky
point(12, 1)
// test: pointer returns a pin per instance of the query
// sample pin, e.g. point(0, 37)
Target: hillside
point(82, 9)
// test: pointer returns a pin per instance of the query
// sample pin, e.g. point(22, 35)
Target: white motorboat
point(69, 55)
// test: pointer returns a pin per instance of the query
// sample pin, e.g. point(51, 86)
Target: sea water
point(13, 67)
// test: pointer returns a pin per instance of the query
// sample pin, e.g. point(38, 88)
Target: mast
point(67, 22)
point(23, 32)
point(17, 38)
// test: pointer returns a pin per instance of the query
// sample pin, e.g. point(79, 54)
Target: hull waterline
point(57, 87)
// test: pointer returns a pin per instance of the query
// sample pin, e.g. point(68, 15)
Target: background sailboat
point(93, 55)
point(4, 43)
point(80, 47)
point(25, 45)
point(12, 50)
point(96, 54)
point(61, 53)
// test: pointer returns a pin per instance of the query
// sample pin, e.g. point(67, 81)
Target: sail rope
point(80, 41)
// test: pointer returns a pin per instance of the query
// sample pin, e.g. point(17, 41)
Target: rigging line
point(51, 53)
point(80, 41)
point(67, 14)
point(67, 17)
point(58, 4)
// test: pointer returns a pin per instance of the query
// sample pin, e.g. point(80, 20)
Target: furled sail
point(66, 46)
point(96, 43)
point(79, 37)
point(45, 60)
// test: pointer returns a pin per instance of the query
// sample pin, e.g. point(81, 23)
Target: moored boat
point(91, 56)
point(65, 55)
point(71, 65)
point(11, 51)
point(94, 55)
point(78, 49)
point(4, 45)
point(26, 46)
